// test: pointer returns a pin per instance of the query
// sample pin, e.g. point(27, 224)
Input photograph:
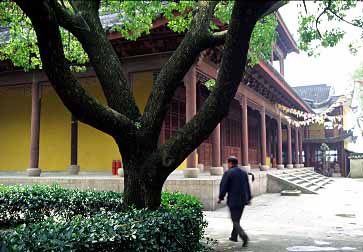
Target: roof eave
point(290, 38)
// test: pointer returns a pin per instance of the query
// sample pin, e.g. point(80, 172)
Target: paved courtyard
point(330, 221)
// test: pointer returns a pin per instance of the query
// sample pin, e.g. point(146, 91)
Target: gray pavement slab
point(329, 221)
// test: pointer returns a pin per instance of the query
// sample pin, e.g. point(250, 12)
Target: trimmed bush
point(177, 226)
point(27, 204)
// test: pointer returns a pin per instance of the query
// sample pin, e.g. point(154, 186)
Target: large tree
point(59, 35)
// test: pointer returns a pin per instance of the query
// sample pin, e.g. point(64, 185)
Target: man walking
point(235, 183)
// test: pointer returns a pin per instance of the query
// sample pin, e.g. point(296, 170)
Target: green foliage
point(136, 19)
point(59, 219)
point(263, 37)
point(27, 204)
point(22, 48)
point(318, 24)
point(210, 84)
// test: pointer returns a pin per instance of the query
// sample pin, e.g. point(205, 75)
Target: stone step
point(307, 181)
point(290, 193)
point(290, 185)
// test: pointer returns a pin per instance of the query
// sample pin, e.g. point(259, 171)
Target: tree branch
point(102, 56)
point(173, 72)
point(343, 19)
point(68, 20)
point(217, 38)
point(306, 9)
point(321, 14)
point(184, 141)
point(273, 7)
point(86, 108)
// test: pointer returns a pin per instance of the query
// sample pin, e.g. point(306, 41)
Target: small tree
point(59, 36)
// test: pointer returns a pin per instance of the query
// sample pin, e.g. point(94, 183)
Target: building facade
point(322, 99)
point(37, 131)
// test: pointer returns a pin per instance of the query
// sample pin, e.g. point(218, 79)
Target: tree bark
point(142, 187)
point(102, 56)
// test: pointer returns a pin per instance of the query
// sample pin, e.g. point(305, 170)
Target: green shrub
point(177, 226)
point(27, 204)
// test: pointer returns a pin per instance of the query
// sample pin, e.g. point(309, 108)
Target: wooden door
point(175, 116)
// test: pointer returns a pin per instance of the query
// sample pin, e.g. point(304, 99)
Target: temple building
point(323, 100)
point(37, 131)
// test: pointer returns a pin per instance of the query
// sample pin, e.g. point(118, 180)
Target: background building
point(35, 126)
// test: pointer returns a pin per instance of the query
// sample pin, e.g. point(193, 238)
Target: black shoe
point(233, 239)
point(245, 241)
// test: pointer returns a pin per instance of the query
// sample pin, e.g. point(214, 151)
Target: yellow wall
point(284, 135)
point(141, 86)
point(15, 113)
point(316, 131)
point(96, 150)
point(54, 152)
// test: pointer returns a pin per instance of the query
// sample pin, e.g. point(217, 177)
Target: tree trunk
point(141, 188)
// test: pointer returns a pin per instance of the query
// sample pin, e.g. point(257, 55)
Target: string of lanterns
point(311, 118)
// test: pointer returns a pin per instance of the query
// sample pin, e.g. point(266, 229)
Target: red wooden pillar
point(74, 167)
point(342, 160)
point(216, 146)
point(263, 139)
point(301, 147)
point(190, 82)
point(34, 169)
point(307, 155)
point(289, 147)
point(280, 164)
point(297, 165)
point(245, 161)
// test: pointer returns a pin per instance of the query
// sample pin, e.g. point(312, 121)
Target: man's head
point(232, 161)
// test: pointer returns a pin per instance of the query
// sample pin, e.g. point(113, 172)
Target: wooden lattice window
point(175, 118)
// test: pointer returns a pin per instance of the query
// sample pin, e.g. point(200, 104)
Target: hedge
point(177, 226)
point(27, 204)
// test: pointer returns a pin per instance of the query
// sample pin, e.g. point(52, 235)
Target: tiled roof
point(314, 93)
point(107, 21)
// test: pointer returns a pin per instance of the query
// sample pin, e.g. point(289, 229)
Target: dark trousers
point(236, 214)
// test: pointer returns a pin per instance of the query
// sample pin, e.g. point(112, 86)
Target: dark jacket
point(235, 183)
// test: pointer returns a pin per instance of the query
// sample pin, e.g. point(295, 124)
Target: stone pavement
point(329, 221)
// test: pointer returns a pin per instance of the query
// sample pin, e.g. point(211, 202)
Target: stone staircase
point(305, 180)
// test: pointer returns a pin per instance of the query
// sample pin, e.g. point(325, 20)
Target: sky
point(334, 66)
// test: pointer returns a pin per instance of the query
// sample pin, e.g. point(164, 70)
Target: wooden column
point(297, 147)
point(342, 160)
point(74, 167)
point(74, 141)
point(190, 82)
point(280, 164)
point(216, 146)
point(289, 147)
point(245, 161)
point(263, 139)
point(34, 169)
point(301, 132)
point(307, 155)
